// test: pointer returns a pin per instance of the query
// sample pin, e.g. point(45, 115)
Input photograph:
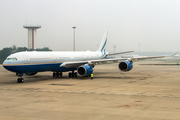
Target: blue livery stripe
point(104, 45)
point(38, 68)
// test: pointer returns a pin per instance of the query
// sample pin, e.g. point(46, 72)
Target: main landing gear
point(57, 74)
point(60, 74)
point(73, 74)
point(20, 80)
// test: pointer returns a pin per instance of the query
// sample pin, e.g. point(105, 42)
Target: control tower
point(32, 36)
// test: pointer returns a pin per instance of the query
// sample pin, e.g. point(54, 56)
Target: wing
point(76, 64)
point(118, 53)
point(120, 59)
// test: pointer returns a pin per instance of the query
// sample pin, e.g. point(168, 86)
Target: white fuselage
point(46, 61)
point(49, 55)
point(39, 61)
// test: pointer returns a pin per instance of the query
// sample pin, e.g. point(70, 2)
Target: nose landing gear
point(20, 80)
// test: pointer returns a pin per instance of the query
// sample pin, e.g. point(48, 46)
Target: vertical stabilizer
point(102, 46)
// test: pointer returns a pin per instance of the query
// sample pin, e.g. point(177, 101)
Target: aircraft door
point(53, 56)
point(25, 57)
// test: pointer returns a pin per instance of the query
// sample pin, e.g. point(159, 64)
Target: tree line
point(5, 52)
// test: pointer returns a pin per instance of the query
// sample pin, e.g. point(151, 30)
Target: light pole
point(139, 49)
point(114, 48)
point(74, 38)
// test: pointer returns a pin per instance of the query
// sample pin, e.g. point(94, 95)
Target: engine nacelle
point(125, 65)
point(84, 70)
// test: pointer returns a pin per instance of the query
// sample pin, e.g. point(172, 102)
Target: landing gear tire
point(20, 80)
point(57, 74)
point(75, 74)
point(70, 75)
point(54, 74)
point(60, 74)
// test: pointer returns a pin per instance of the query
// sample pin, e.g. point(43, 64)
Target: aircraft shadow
point(39, 78)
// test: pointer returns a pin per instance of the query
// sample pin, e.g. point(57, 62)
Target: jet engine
point(84, 70)
point(125, 65)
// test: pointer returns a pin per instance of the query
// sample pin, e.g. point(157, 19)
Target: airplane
point(83, 62)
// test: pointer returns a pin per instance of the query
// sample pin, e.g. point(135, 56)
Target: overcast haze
point(154, 24)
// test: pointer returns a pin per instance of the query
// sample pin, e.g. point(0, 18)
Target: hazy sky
point(154, 24)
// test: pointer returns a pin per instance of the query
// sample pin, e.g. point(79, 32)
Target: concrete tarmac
point(145, 93)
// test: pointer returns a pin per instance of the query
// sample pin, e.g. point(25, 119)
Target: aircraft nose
point(4, 64)
point(7, 67)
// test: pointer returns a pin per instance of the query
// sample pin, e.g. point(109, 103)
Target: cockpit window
point(11, 59)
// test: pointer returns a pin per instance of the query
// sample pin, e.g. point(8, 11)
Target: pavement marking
point(86, 92)
point(177, 96)
point(126, 105)
point(154, 96)
point(165, 96)
point(143, 95)
point(74, 92)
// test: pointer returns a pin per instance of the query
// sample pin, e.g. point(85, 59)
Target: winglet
point(175, 54)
